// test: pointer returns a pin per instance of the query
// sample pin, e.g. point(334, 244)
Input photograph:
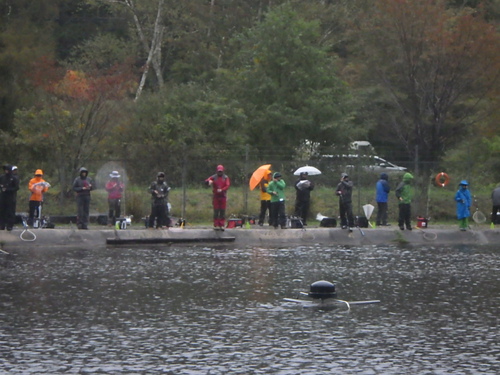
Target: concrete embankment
point(263, 237)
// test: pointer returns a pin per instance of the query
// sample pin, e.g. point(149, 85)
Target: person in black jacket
point(9, 185)
point(495, 200)
point(82, 185)
point(344, 192)
point(303, 188)
point(159, 199)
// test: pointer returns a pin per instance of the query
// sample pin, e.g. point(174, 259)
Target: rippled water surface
point(220, 310)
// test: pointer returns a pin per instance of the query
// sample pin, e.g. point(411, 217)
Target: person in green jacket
point(404, 193)
point(276, 189)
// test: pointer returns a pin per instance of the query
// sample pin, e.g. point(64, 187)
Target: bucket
point(421, 222)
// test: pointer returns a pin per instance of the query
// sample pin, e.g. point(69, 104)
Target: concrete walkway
point(97, 237)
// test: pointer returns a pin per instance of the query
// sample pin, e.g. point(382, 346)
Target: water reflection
point(220, 310)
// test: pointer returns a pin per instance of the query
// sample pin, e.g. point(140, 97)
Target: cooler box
point(233, 223)
point(422, 222)
point(296, 223)
point(328, 222)
point(361, 221)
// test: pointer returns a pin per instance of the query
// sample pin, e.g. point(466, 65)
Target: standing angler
point(464, 201)
point(220, 184)
point(9, 185)
point(404, 193)
point(344, 192)
point(159, 199)
point(276, 189)
point(382, 196)
point(82, 185)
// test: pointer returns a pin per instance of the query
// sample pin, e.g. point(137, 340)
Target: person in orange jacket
point(37, 186)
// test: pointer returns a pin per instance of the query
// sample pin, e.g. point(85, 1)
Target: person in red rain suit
point(220, 183)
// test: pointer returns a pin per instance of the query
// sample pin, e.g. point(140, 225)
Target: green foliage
point(287, 84)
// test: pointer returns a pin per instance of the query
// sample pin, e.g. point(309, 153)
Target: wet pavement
point(218, 309)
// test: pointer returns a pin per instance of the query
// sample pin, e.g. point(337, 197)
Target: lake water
point(220, 310)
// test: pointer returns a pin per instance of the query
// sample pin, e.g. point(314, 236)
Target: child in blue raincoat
point(464, 201)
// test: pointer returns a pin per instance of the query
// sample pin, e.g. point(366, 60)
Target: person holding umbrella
point(344, 192)
point(265, 198)
point(303, 188)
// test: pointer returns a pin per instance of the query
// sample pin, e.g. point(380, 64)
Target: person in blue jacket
point(382, 196)
point(464, 201)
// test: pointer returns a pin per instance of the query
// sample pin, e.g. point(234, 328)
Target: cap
point(114, 174)
point(38, 172)
point(276, 175)
point(220, 167)
point(464, 182)
point(160, 174)
point(7, 167)
point(344, 175)
point(14, 167)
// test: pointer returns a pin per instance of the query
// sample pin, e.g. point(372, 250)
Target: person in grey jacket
point(344, 192)
point(495, 198)
point(82, 185)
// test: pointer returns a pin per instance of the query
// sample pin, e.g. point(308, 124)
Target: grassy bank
point(198, 207)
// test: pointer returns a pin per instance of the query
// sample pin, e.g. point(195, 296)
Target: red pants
point(219, 204)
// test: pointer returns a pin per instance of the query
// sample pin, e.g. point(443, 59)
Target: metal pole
point(184, 195)
point(245, 208)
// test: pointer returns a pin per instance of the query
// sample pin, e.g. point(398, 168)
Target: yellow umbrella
point(258, 175)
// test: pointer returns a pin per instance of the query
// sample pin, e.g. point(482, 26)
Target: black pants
point(83, 209)
point(278, 215)
point(7, 211)
point(494, 217)
point(265, 206)
point(160, 212)
point(34, 211)
point(114, 210)
point(302, 210)
point(346, 216)
point(404, 215)
point(382, 213)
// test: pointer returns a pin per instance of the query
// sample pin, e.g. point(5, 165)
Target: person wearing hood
point(404, 193)
point(9, 185)
point(276, 189)
point(159, 199)
point(37, 186)
point(344, 192)
point(382, 196)
point(114, 187)
point(495, 200)
point(464, 202)
point(220, 183)
point(82, 185)
point(303, 188)
point(265, 198)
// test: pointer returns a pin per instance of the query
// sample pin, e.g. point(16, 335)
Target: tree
point(288, 86)
point(434, 65)
point(74, 114)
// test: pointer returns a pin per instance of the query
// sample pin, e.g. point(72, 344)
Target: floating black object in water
point(322, 290)
point(325, 292)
